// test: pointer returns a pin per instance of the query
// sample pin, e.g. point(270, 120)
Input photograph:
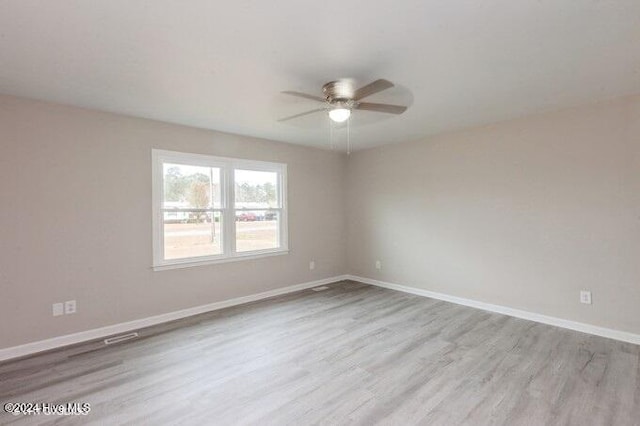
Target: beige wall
point(75, 220)
point(523, 214)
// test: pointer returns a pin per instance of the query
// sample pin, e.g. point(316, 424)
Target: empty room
point(320, 213)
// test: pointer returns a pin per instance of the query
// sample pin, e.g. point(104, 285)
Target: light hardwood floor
point(353, 354)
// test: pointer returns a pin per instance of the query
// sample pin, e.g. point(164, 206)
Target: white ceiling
point(222, 64)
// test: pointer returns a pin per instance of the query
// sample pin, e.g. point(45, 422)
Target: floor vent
point(322, 288)
point(118, 339)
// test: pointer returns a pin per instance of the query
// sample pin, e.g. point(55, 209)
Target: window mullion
point(229, 237)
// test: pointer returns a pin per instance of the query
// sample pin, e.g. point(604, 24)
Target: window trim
point(227, 208)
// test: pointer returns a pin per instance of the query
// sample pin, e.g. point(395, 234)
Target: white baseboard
point(97, 333)
point(531, 316)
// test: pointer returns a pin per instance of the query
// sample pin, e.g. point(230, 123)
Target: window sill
point(238, 257)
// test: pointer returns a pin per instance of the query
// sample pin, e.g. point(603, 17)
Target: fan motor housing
point(339, 90)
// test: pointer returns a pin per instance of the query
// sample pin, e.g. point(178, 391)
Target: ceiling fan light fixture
point(340, 99)
point(339, 115)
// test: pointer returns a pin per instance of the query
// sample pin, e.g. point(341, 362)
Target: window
point(211, 209)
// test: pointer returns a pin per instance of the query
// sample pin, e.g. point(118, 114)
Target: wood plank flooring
point(353, 354)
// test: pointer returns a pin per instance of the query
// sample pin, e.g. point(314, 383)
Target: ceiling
point(222, 64)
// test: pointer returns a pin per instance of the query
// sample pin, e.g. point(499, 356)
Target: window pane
point(192, 234)
point(256, 189)
point(257, 230)
point(191, 186)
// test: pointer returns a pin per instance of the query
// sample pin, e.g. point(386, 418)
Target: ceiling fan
point(341, 98)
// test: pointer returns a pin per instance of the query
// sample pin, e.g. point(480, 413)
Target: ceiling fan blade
point(388, 108)
point(302, 114)
point(304, 95)
point(372, 88)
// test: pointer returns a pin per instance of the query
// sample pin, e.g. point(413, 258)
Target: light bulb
point(339, 114)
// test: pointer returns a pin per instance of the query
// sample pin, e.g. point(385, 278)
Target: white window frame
point(227, 209)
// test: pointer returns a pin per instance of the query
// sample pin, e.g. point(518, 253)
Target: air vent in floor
point(118, 339)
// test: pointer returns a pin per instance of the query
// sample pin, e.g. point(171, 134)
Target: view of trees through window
point(192, 226)
point(192, 211)
point(192, 186)
point(255, 187)
point(256, 229)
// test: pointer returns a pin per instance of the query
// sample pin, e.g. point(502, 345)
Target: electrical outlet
point(378, 264)
point(312, 265)
point(585, 297)
point(58, 309)
point(70, 307)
